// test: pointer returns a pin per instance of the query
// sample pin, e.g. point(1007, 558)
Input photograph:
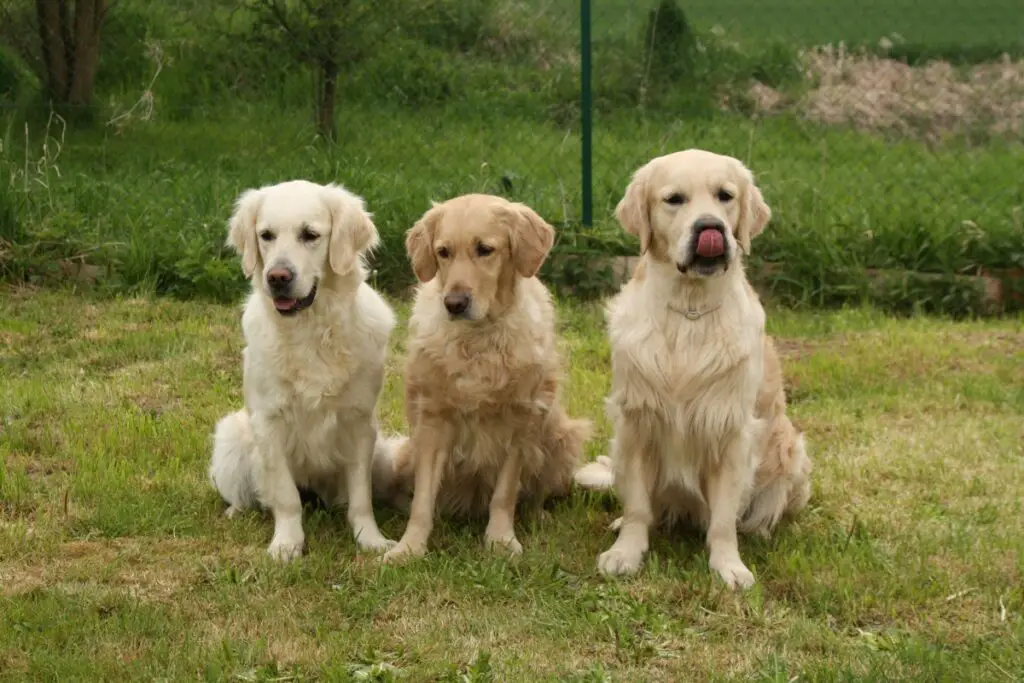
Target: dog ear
point(419, 244)
point(754, 213)
point(242, 230)
point(532, 239)
point(633, 211)
point(352, 230)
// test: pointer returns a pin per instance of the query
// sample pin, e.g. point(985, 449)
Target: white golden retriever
point(316, 336)
point(697, 401)
point(482, 376)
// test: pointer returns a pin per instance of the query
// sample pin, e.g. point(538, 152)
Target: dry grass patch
point(933, 101)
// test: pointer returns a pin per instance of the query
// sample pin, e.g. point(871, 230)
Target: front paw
point(284, 549)
point(403, 552)
point(375, 543)
point(619, 562)
point(732, 570)
point(505, 541)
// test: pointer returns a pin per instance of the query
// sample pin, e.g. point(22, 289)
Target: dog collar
point(693, 313)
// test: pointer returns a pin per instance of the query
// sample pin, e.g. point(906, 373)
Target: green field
point(484, 96)
point(150, 204)
point(937, 25)
point(116, 563)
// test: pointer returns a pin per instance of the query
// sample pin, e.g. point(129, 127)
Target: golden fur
point(697, 400)
point(482, 384)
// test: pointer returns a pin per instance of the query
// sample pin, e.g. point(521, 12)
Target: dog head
point(296, 235)
point(695, 209)
point(477, 245)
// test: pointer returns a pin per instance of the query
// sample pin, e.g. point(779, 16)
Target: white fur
point(311, 380)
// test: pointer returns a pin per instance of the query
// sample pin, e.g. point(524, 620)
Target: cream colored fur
point(697, 401)
point(487, 428)
point(312, 379)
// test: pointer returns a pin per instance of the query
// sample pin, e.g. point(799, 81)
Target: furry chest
point(479, 389)
point(316, 379)
point(481, 444)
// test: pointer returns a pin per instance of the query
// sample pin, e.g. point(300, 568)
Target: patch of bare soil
point(933, 101)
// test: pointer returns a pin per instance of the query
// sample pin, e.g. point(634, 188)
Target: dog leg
point(726, 486)
point(632, 482)
point(501, 525)
point(278, 492)
point(358, 481)
point(430, 446)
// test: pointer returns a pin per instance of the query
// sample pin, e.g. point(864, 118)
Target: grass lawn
point(936, 24)
point(115, 561)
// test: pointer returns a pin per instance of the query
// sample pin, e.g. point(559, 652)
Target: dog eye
point(675, 199)
point(443, 252)
point(308, 235)
point(484, 250)
point(267, 236)
point(725, 196)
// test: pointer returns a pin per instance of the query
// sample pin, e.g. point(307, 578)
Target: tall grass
point(476, 95)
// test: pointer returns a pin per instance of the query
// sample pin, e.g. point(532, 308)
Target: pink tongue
point(284, 304)
point(710, 244)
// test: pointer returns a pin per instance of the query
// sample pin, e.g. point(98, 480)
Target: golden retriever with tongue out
point(697, 401)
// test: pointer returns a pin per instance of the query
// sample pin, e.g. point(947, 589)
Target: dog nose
point(705, 222)
point(457, 303)
point(280, 277)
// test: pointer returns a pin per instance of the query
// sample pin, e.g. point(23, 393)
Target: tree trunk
point(325, 123)
point(88, 17)
point(52, 16)
point(71, 54)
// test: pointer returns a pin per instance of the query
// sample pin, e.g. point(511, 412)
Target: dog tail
point(598, 475)
point(387, 484)
point(231, 465)
point(785, 494)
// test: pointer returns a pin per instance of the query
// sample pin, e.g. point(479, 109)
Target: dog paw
point(401, 553)
point(232, 511)
point(504, 542)
point(619, 562)
point(733, 572)
point(285, 550)
point(375, 543)
point(615, 525)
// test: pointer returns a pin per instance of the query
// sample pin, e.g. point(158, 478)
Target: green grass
point(150, 204)
point(943, 28)
point(450, 104)
point(115, 561)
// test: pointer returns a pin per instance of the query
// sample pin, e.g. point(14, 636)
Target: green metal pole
point(586, 115)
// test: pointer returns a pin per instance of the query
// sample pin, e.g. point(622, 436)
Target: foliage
point(670, 42)
point(448, 96)
point(329, 35)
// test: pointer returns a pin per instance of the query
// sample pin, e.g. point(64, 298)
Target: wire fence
point(886, 136)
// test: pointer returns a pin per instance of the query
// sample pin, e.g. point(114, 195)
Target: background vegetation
point(196, 101)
